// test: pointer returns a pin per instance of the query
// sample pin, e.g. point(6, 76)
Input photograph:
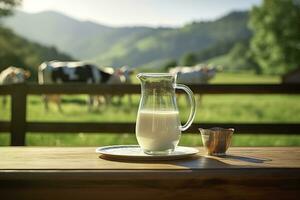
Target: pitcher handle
point(193, 105)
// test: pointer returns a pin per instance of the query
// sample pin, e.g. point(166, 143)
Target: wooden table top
point(78, 173)
point(85, 158)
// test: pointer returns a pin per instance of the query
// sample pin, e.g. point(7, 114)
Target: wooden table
point(79, 173)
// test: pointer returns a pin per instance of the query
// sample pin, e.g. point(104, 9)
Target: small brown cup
point(216, 140)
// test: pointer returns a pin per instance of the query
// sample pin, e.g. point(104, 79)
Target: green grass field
point(213, 108)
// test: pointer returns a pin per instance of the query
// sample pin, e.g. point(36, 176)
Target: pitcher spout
point(154, 77)
point(141, 77)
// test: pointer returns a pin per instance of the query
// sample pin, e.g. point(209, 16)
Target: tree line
point(273, 47)
point(20, 52)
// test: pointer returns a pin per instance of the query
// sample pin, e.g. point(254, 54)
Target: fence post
point(18, 115)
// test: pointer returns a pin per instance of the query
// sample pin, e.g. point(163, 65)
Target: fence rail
point(35, 89)
point(18, 126)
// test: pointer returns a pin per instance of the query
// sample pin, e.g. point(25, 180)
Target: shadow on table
point(198, 161)
point(246, 159)
point(193, 162)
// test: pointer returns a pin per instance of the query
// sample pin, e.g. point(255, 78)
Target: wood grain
point(129, 127)
point(78, 173)
point(18, 115)
point(123, 127)
point(86, 158)
point(136, 89)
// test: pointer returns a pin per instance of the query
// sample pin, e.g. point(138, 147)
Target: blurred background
point(251, 41)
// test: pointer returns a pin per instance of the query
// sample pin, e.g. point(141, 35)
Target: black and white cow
point(73, 72)
point(13, 75)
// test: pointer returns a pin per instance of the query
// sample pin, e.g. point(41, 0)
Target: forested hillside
point(174, 43)
point(240, 40)
point(134, 46)
point(20, 52)
point(81, 39)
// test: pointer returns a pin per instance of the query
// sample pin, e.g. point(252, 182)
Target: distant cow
point(194, 75)
point(72, 72)
point(127, 72)
point(13, 75)
point(121, 75)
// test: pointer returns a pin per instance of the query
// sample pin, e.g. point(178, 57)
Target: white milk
point(158, 130)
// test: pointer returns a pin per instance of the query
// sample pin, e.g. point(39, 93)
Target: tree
point(275, 44)
point(220, 48)
point(6, 6)
point(189, 59)
point(169, 64)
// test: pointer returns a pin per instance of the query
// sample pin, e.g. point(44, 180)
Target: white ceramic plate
point(134, 152)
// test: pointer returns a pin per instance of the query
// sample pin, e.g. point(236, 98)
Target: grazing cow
point(194, 75)
point(127, 72)
point(122, 76)
point(13, 75)
point(72, 72)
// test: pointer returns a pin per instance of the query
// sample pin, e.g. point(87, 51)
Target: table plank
point(78, 173)
point(83, 158)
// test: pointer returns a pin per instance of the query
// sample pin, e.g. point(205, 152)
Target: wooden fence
point(18, 126)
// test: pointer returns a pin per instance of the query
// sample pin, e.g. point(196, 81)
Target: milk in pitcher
point(158, 130)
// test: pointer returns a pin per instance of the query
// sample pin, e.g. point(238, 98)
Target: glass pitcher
point(158, 127)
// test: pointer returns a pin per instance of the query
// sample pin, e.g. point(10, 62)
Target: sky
point(140, 12)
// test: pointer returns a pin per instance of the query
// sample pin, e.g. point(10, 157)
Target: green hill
point(20, 52)
point(81, 39)
point(133, 46)
point(237, 58)
point(173, 43)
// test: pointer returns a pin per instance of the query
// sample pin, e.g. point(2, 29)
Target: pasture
point(213, 108)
